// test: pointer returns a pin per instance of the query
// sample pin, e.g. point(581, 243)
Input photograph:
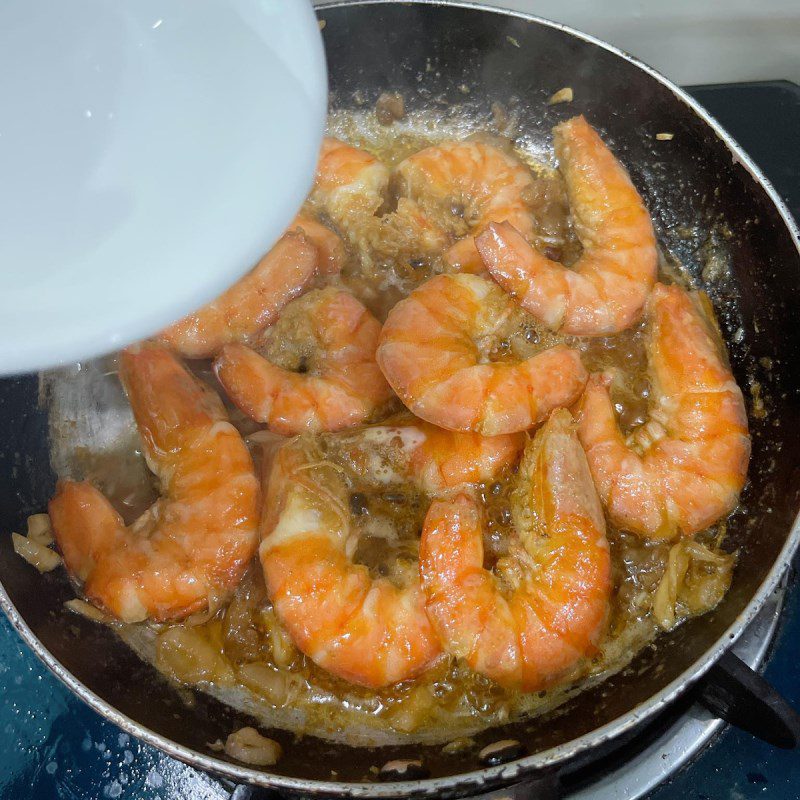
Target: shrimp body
point(251, 304)
point(195, 542)
point(332, 339)
point(690, 468)
point(432, 352)
point(445, 460)
point(350, 184)
point(368, 631)
point(489, 184)
point(331, 253)
point(434, 459)
point(547, 611)
point(605, 291)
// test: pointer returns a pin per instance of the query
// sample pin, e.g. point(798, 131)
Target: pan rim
point(486, 778)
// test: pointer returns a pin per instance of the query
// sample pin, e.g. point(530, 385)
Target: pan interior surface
point(709, 212)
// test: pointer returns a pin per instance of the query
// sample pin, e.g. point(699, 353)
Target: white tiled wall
point(691, 41)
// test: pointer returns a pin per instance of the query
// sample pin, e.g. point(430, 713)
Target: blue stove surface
point(53, 746)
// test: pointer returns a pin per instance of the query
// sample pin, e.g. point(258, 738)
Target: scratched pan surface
point(712, 210)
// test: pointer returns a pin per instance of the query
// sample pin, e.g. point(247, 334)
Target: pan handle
point(742, 697)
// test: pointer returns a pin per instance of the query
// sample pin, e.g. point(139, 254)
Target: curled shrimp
point(434, 353)
point(331, 253)
point(487, 183)
point(330, 339)
point(195, 542)
point(366, 630)
point(547, 609)
point(350, 184)
point(251, 304)
point(685, 468)
point(436, 460)
point(605, 290)
point(445, 460)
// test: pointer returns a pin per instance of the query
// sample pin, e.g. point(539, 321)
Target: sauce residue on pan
point(239, 652)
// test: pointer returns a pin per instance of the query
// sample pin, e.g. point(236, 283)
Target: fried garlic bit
point(695, 580)
point(564, 95)
point(250, 747)
point(39, 556)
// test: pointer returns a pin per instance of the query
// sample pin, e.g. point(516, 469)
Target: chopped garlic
point(39, 529)
point(39, 556)
point(87, 610)
point(695, 580)
point(564, 95)
point(250, 747)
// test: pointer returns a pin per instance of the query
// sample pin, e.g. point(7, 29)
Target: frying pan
point(712, 210)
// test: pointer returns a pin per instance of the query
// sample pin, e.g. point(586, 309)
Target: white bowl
point(150, 152)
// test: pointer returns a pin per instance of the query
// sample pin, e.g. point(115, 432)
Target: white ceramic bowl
point(150, 152)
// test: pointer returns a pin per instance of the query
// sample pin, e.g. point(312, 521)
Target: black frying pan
point(708, 202)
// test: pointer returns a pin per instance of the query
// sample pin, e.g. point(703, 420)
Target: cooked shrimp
point(331, 254)
point(605, 290)
point(685, 468)
point(546, 610)
point(330, 338)
point(350, 185)
point(436, 460)
point(251, 304)
point(434, 352)
point(409, 230)
point(368, 631)
point(483, 182)
point(446, 460)
point(194, 543)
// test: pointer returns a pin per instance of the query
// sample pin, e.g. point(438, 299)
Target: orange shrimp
point(330, 338)
point(548, 608)
point(350, 184)
point(489, 184)
point(446, 460)
point(250, 305)
point(366, 630)
point(195, 542)
point(604, 292)
point(434, 459)
point(330, 248)
point(685, 468)
point(433, 352)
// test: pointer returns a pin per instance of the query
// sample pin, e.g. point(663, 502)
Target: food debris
point(38, 555)
point(512, 40)
point(759, 409)
point(39, 529)
point(87, 610)
point(564, 95)
point(390, 107)
point(322, 24)
point(458, 745)
point(250, 747)
point(665, 137)
point(499, 116)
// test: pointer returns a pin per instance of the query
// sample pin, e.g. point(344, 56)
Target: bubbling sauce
point(240, 653)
